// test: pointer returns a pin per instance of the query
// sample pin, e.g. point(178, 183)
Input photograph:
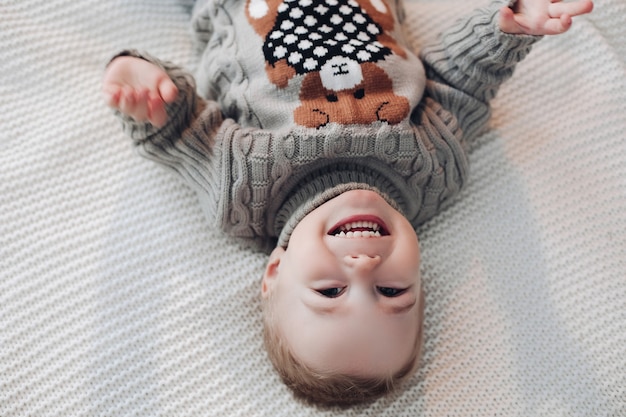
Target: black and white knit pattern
point(308, 33)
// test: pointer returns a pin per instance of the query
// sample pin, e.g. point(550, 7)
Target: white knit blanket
point(117, 300)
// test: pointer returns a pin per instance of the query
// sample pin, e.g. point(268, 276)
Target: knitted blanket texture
point(117, 299)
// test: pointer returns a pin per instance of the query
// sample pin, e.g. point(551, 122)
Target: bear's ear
point(380, 12)
point(380, 6)
point(280, 73)
point(257, 9)
point(262, 15)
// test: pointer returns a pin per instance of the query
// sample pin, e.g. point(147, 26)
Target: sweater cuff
point(481, 37)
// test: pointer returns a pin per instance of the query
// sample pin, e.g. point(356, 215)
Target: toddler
point(314, 126)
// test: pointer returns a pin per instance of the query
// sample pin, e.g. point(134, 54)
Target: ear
point(270, 276)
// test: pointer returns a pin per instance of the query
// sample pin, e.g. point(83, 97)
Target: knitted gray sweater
point(280, 129)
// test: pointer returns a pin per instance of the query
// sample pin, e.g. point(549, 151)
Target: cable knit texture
point(118, 299)
point(266, 177)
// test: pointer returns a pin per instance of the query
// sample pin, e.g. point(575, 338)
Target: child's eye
point(331, 292)
point(390, 292)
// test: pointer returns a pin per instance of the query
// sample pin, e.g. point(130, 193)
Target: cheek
point(308, 252)
point(409, 256)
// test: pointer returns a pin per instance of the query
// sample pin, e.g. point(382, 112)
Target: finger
point(126, 101)
point(157, 114)
point(131, 104)
point(575, 8)
point(141, 111)
point(167, 90)
point(507, 21)
point(111, 95)
point(557, 26)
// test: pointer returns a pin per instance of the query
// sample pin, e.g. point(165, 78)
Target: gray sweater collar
point(313, 193)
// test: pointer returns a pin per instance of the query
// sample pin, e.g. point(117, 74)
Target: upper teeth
point(372, 229)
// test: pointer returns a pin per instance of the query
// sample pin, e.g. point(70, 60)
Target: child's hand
point(542, 17)
point(138, 89)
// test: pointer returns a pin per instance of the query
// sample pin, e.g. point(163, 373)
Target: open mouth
point(359, 227)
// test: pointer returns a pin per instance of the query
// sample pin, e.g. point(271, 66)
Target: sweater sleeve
point(465, 70)
point(201, 25)
point(191, 143)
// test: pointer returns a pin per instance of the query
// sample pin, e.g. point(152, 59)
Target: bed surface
point(117, 300)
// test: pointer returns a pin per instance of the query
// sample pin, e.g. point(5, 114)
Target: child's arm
point(541, 17)
point(475, 56)
point(160, 110)
point(157, 103)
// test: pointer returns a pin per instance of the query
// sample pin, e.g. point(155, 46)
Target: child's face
point(349, 304)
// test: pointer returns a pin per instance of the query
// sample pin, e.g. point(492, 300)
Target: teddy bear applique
point(334, 45)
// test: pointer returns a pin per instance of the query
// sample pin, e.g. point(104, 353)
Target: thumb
point(507, 21)
point(167, 90)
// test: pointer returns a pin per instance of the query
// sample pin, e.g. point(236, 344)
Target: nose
point(362, 262)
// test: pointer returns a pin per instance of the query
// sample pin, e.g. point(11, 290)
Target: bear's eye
point(359, 94)
point(332, 98)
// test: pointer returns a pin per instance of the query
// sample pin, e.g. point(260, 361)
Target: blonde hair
point(327, 388)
